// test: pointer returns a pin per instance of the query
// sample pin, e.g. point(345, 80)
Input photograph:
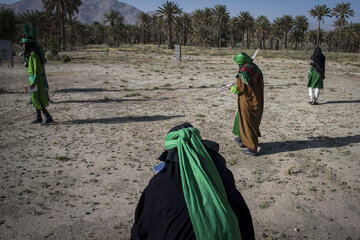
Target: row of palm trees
point(211, 27)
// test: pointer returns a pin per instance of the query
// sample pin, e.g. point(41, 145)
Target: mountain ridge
point(89, 11)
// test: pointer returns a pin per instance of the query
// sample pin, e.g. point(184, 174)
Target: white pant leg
point(311, 93)
point(317, 92)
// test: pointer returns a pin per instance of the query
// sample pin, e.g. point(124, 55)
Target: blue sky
point(269, 8)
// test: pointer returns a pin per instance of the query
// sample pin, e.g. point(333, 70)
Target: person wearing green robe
point(35, 68)
point(250, 91)
point(316, 75)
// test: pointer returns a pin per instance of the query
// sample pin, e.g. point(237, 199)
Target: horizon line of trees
point(208, 27)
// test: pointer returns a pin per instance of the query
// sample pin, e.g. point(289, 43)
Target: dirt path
point(82, 177)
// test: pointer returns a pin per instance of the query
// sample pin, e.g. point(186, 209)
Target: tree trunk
point(63, 37)
point(243, 36)
point(318, 36)
point(219, 33)
point(341, 25)
point(169, 35)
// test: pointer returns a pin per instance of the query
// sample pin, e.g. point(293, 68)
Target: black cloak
point(318, 62)
point(161, 213)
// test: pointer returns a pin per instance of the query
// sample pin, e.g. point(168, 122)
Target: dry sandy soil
point(81, 178)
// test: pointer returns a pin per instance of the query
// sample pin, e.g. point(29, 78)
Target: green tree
point(342, 11)
point(221, 17)
point(352, 35)
point(276, 31)
point(287, 25)
point(143, 22)
point(301, 23)
point(75, 30)
point(319, 12)
point(169, 11)
point(116, 27)
point(245, 20)
point(329, 37)
point(8, 21)
point(297, 37)
point(185, 23)
point(262, 27)
point(62, 8)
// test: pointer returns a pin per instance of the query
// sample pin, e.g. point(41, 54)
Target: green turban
point(242, 59)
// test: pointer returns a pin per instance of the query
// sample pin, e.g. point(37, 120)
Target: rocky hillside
point(90, 11)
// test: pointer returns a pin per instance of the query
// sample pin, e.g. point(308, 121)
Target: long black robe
point(161, 213)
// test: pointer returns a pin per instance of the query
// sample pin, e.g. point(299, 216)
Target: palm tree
point(313, 36)
point(301, 23)
point(276, 31)
point(199, 35)
point(262, 27)
point(297, 37)
point(352, 35)
point(287, 25)
point(319, 12)
point(97, 32)
point(117, 26)
point(75, 30)
point(169, 10)
point(342, 11)
point(234, 25)
point(143, 22)
point(245, 19)
point(62, 8)
point(221, 16)
point(157, 26)
point(329, 37)
point(185, 23)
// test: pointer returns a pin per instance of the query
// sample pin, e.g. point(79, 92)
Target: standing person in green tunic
point(316, 75)
point(35, 68)
point(250, 90)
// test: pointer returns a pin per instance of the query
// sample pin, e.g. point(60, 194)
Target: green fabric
point(242, 58)
point(315, 80)
point(234, 90)
point(26, 40)
point(245, 76)
point(236, 128)
point(209, 210)
point(35, 71)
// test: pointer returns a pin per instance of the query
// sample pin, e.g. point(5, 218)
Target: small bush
point(65, 59)
point(53, 56)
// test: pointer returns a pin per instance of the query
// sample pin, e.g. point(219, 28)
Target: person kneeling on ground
point(193, 196)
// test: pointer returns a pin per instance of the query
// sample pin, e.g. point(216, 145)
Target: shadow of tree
point(122, 119)
point(315, 142)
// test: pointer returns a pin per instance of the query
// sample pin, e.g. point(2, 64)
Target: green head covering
point(31, 36)
point(242, 59)
point(205, 196)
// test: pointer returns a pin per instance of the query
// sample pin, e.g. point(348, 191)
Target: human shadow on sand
point(122, 119)
point(314, 142)
point(341, 101)
point(109, 100)
point(92, 90)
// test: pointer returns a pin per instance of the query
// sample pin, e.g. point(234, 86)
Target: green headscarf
point(242, 59)
point(209, 210)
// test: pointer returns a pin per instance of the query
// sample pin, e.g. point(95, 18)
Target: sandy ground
point(81, 178)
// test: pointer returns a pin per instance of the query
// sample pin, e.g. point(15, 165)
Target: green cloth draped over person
point(250, 91)
point(210, 213)
point(193, 196)
point(34, 62)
